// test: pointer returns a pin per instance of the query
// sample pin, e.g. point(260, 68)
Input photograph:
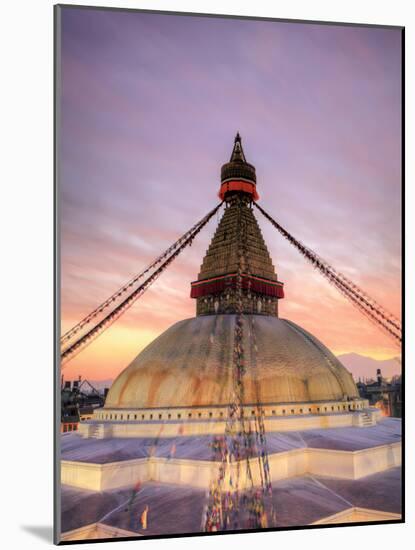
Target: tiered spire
point(238, 228)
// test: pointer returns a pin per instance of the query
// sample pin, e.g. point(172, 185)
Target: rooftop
point(178, 509)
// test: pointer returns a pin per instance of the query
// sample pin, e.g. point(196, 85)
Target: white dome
point(190, 364)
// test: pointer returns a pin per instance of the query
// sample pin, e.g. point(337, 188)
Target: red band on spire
point(216, 285)
point(238, 185)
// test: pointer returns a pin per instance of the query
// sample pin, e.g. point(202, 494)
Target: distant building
point(384, 394)
point(78, 405)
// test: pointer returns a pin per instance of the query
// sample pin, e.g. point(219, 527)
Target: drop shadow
point(43, 532)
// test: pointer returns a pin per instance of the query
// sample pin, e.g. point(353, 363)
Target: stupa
point(186, 373)
point(162, 410)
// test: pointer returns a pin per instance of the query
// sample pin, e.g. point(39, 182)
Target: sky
point(150, 105)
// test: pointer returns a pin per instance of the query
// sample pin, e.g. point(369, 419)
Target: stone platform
point(332, 475)
point(344, 453)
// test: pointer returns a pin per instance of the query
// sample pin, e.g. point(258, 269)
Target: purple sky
point(150, 106)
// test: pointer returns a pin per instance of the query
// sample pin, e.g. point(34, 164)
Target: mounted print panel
point(229, 274)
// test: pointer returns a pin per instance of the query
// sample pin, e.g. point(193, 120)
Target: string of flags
point(234, 501)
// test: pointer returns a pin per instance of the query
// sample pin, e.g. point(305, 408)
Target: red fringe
point(218, 285)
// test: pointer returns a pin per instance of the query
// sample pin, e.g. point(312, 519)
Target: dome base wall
point(171, 422)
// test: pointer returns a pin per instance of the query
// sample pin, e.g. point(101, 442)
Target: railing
point(69, 427)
